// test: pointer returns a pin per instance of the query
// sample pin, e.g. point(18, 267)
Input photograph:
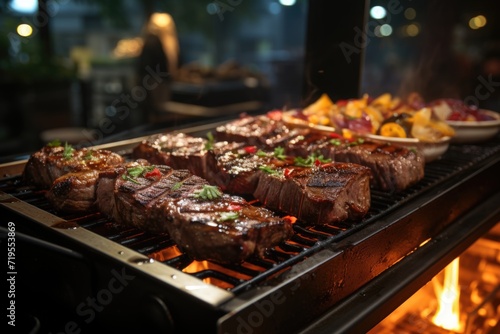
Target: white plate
point(430, 150)
point(468, 132)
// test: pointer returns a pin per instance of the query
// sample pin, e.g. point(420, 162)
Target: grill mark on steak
point(177, 150)
point(261, 131)
point(394, 168)
point(168, 204)
point(325, 194)
point(234, 167)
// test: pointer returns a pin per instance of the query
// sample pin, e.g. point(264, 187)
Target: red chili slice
point(317, 162)
point(234, 207)
point(250, 149)
point(153, 174)
point(287, 172)
point(335, 135)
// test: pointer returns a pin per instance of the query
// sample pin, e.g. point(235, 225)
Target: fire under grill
point(318, 265)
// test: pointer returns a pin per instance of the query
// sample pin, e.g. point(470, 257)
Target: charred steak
point(53, 161)
point(265, 131)
point(204, 222)
point(177, 150)
point(394, 168)
point(328, 193)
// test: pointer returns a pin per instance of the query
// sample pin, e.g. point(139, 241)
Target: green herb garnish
point(310, 161)
point(128, 178)
point(54, 143)
point(269, 170)
point(261, 153)
point(335, 142)
point(68, 151)
point(89, 155)
point(210, 141)
point(134, 172)
point(208, 193)
point(177, 186)
point(279, 153)
point(357, 142)
point(231, 215)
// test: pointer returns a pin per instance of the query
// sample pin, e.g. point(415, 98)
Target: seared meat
point(234, 166)
point(179, 151)
point(328, 193)
point(264, 131)
point(227, 230)
point(221, 228)
point(394, 168)
point(51, 162)
point(74, 192)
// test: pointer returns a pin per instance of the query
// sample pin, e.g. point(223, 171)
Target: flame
point(448, 295)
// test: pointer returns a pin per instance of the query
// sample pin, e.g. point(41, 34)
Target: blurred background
point(89, 71)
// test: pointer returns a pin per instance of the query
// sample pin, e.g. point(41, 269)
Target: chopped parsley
point(134, 172)
point(177, 186)
point(269, 170)
point(311, 160)
point(54, 143)
point(357, 142)
point(68, 151)
point(208, 193)
point(261, 153)
point(231, 215)
point(210, 141)
point(89, 155)
point(279, 153)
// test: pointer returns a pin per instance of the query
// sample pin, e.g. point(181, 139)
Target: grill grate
point(306, 240)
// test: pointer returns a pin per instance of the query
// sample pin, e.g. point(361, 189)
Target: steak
point(266, 131)
point(328, 193)
point(394, 168)
point(74, 192)
point(177, 150)
point(51, 162)
point(234, 166)
point(205, 223)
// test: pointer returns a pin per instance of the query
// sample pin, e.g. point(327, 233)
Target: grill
point(311, 274)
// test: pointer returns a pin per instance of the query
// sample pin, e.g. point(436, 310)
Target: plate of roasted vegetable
point(471, 124)
point(385, 119)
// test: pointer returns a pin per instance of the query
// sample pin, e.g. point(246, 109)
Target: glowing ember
point(448, 295)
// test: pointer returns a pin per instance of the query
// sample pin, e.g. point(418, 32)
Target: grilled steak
point(234, 166)
point(266, 132)
point(74, 192)
point(52, 162)
point(328, 193)
point(394, 168)
point(179, 151)
point(205, 223)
